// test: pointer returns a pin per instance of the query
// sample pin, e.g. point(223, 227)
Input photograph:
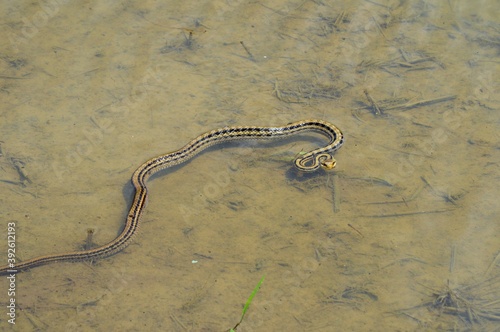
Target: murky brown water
point(403, 235)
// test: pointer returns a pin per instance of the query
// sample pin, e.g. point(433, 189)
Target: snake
point(319, 158)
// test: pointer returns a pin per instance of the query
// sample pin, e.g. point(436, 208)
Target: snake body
point(310, 161)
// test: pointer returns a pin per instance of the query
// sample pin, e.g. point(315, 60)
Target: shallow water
point(402, 235)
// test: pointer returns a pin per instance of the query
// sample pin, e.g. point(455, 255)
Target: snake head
point(326, 161)
point(310, 162)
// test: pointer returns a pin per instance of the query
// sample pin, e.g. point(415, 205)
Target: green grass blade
point(247, 304)
point(255, 290)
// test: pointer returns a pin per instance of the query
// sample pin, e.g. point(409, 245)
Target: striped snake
point(310, 161)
